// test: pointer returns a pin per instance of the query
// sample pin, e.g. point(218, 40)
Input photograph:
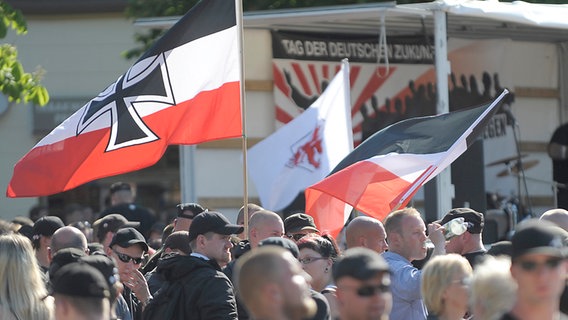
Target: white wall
point(81, 56)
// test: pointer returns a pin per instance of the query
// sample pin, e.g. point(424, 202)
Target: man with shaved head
point(67, 237)
point(367, 232)
point(272, 284)
point(557, 216)
point(262, 224)
point(252, 208)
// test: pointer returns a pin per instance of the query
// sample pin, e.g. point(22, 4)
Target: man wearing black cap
point(203, 290)
point(108, 225)
point(128, 248)
point(469, 244)
point(80, 292)
point(363, 284)
point(539, 266)
point(122, 202)
point(107, 267)
point(186, 213)
point(298, 225)
point(43, 229)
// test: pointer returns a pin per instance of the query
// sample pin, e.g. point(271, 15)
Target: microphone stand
point(521, 169)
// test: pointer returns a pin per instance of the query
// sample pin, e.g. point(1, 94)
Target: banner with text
point(381, 93)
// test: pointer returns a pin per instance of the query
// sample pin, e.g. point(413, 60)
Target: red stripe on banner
point(302, 77)
point(315, 79)
point(365, 185)
point(279, 81)
point(353, 74)
point(374, 83)
point(325, 69)
point(337, 68)
point(282, 115)
point(74, 161)
point(358, 127)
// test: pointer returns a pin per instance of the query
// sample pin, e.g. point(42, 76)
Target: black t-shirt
point(560, 167)
point(474, 257)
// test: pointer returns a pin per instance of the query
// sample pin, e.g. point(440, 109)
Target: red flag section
point(385, 171)
point(184, 90)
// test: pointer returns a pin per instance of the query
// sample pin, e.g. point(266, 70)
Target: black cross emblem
point(146, 83)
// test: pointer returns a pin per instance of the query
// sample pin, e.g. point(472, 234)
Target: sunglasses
point(308, 260)
point(369, 291)
point(528, 265)
point(126, 258)
point(296, 236)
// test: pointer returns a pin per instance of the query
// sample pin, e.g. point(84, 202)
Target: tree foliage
point(16, 84)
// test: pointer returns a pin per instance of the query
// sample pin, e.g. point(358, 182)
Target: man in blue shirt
point(406, 236)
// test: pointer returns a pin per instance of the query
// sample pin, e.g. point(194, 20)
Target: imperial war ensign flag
point(183, 90)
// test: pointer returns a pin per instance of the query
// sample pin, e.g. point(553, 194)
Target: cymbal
point(505, 160)
point(516, 168)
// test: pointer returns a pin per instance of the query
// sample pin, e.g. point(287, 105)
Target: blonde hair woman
point(22, 290)
point(445, 287)
point(493, 289)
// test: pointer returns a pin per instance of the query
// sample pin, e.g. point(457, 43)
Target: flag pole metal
point(239, 10)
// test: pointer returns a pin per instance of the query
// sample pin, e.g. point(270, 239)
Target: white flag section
point(306, 149)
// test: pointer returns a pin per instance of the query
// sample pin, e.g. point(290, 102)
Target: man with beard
point(406, 235)
point(195, 286)
point(273, 285)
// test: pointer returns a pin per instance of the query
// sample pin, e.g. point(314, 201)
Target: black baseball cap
point(80, 280)
point(194, 208)
point(107, 268)
point(537, 236)
point(62, 258)
point(473, 218)
point(111, 223)
point(178, 240)
point(359, 263)
point(281, 242)
point(127, 237)
point(211, 221)
point(46, 226)
point(298, 222)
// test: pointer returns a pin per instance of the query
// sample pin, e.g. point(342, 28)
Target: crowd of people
point(207, 267)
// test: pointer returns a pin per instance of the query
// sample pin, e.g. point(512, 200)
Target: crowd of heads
point(281, 267)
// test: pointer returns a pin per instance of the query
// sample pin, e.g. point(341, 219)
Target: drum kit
point(506, 212)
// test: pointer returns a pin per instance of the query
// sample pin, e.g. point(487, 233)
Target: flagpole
point(239, 10)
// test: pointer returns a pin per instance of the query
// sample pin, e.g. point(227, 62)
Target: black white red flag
point(385, 171)
point(186, 89)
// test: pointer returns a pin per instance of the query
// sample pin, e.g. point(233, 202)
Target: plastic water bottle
point(454, 228)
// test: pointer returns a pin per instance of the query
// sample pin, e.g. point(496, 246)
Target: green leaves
point(11, 18)
point(15, 83)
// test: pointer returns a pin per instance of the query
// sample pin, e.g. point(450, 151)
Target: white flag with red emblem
point(306, 149)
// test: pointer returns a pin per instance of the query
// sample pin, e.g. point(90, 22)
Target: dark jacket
point(206, 292)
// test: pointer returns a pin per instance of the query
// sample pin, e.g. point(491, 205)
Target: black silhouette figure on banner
point(422, 101)
point(300, 99)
